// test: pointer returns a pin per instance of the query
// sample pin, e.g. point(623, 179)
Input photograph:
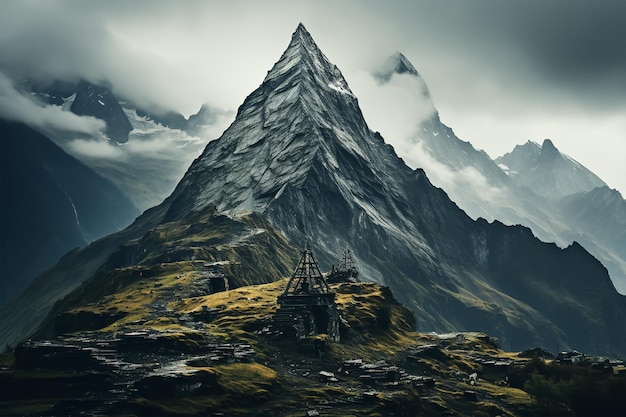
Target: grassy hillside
point(169, 351)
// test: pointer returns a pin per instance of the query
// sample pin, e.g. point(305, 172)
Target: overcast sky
point(500, 72)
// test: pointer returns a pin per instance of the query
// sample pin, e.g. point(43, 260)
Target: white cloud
point(93, 148)
point(395, 108)
point(17, 107)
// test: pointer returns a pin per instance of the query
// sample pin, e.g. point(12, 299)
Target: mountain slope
point(300, 152)
point(50, 203)
point(598, 219)
point(247, 251)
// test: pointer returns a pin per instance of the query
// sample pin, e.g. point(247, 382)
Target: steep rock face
point(300, 152)
point(100, 102)
point(51, 203)
point(547, 171)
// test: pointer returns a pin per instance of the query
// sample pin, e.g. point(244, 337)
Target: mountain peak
point(549, 151)
point(301, 32)
point(302, 37)
point(547, 171)
point(304, 63)
point(298, 118)
point(397, 63)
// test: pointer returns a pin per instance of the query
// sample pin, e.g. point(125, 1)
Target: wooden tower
point(346, 271)
point(307, 306)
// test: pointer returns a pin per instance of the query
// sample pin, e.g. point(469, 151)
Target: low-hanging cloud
point(18, 107)
point(397, 109)
point(455, 182)
point(94, 148)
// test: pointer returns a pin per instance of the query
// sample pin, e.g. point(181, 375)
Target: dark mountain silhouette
point(50, 203)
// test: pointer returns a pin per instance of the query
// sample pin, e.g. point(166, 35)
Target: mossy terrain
point(149, 335)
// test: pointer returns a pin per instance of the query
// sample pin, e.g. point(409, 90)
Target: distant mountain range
point(144, 152)
point(547, 171)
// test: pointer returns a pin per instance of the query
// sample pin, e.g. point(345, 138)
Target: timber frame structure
point(307, 306)
point(346, 271)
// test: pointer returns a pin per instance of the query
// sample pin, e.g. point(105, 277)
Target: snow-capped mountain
point(87, 99)
point(546, 171)
point(300, 152)
point(483, 189)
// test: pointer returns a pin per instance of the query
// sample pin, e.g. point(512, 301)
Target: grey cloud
point(396, 108)
point(575, 46)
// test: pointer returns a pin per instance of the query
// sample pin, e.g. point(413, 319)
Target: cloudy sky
point(500, 73)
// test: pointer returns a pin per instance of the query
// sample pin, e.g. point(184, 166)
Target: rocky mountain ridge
point(547, 171)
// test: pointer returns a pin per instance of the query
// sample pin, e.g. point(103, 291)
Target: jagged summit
point(303, 64)
point(302, 118)
point(547, 171)
point(397, 63)
point(549, 152)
